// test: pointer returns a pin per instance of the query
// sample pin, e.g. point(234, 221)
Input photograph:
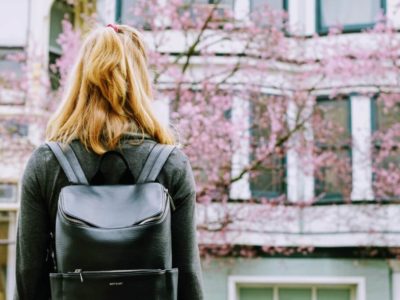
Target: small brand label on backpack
point(116, 283)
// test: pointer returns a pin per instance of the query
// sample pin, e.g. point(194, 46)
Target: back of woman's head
point(109, 93)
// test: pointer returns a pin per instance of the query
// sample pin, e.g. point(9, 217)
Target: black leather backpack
point(113, 241)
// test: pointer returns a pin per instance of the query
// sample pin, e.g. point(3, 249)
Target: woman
point(107, 106)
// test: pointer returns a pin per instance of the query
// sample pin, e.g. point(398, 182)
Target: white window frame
point(236, 282)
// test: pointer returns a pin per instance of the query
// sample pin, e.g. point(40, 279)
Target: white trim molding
point(242, 9)
point(357, 284)
point(241, 157)
point(361, 150)
point(347, 225)
point(302, 16)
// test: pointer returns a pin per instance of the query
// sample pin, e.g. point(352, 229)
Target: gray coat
point(41, 184)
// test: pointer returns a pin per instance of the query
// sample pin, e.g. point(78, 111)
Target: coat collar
point(136, 136)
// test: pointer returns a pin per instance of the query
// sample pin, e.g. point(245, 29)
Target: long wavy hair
point(109, 93)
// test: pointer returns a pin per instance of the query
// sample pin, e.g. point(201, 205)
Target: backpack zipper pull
point(79, 271)
point(171, 201)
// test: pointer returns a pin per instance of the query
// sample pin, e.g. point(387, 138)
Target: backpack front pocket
point(138, 284)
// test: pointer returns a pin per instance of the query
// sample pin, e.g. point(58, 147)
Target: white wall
point(393, 12)
point(106, 10)
point(14, 23)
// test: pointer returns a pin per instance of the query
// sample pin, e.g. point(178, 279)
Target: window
point(77, 14)
point(126, 14)
point(273, 4)
point(269, 13)
point(11, 74)
point(383, 118)
point(228, 3)
point(295, 293)
point(332, 136)
point(9, 61)
point(14, 128)
point(353, 15)
point(224, 8)
point(59, 11)
point(6, 222)
point(8, 193)
point(386, 156)
point(268, 179)
point(124, 11)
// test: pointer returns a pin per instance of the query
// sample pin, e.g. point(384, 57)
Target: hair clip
point(113, 26)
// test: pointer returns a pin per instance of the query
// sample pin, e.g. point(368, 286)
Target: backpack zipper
point(136, 272)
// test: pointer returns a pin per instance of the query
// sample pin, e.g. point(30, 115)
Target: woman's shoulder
point(43, 150)
point(178, 162)
point(178, 157)
point(179, 169)
point(39, 163)
point(40, 156)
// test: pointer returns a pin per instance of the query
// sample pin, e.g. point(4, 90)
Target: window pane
point(341, 12)
point(11, 75)
point(332, 135)
point(221, 2)
point(10, 65)
point(274, 4)
point(5, 238)
point(8, 192)
point(386, 155)
point(128, 15)
point(329, 181)
point(14, 128)
point(336, 113)
point(59, 11)
point(333, 294)
point(387, 117)
point(127, 7)
point(295, 294)
point(256, 294)
point(268, 179)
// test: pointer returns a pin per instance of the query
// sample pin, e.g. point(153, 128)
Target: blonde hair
point(109, 94)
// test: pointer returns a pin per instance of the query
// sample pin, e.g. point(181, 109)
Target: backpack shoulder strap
point(69, 162)
point(154, 162)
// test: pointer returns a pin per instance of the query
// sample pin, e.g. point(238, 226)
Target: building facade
point(354, 244)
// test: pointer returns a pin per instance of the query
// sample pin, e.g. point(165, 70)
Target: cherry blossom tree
point(245, 93)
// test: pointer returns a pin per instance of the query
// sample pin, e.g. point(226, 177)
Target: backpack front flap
point(113, 206)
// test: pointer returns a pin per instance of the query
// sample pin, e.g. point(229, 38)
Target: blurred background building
point(348, 262)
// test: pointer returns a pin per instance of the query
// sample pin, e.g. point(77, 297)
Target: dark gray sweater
point(41, 184)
